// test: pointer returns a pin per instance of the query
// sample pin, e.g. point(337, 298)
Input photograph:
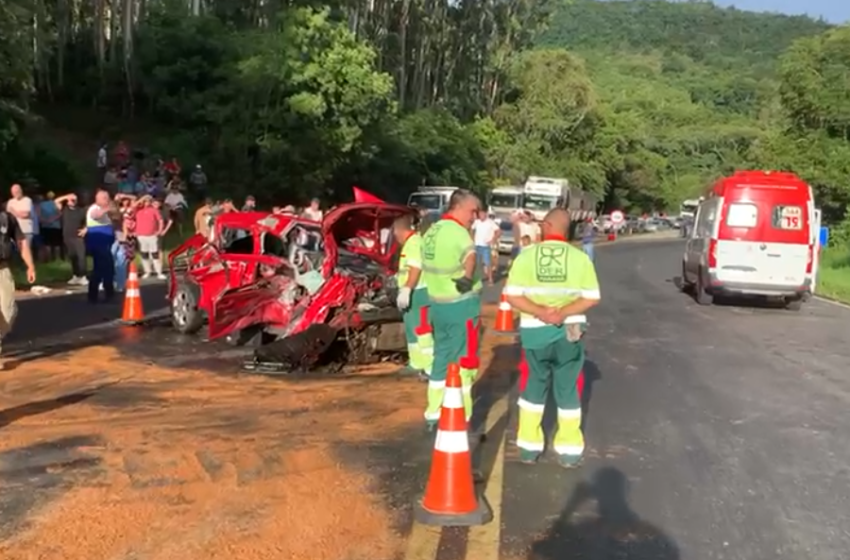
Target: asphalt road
point(46, 318)
point(712, 432)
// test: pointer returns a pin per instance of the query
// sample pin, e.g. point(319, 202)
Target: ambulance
point(754, 235)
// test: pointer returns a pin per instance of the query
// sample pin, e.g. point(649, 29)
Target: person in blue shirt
point(99, 238)
point(588, 232)
point(125, 185)
point(51, 227)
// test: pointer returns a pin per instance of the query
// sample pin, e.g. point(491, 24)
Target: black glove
point(463, 284)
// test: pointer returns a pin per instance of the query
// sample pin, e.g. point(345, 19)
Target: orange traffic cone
point(450, 499)
point(504, 316)
point(133, 312)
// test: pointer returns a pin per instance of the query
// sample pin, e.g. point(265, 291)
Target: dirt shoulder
point(105, 455)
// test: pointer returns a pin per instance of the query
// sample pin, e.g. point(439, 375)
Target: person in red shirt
point(149, 227)
point(172, 168)
point(121, 154)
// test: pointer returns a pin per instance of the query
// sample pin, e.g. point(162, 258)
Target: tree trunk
point(99, 36)
point(127, 12)
point(402, 63)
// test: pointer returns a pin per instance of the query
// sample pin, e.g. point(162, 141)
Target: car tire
point(702, 297)
point(794, 304)
point(185, 315)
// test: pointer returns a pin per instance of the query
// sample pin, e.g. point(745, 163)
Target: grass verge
point(834, 274)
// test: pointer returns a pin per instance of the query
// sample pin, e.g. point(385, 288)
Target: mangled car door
point(243, 307)
point(211, 274)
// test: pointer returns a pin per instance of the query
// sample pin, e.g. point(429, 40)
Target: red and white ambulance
point(753, 235)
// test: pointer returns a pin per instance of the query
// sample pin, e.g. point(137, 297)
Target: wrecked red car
point(298, 285)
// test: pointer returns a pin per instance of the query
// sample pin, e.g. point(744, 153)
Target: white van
point(753, 236)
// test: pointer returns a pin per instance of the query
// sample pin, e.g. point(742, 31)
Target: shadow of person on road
point(15, 413)
point(495, 382)
point(612, 532)
point(591, 376)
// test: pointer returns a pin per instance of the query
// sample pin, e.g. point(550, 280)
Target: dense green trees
point(643, 101)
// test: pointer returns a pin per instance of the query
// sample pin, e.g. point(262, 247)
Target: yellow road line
point(483, 541)
point(423, 542)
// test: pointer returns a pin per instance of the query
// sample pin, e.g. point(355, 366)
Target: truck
point(504, 201)
point(541, 194)
point(433, 199)
point(688, 208)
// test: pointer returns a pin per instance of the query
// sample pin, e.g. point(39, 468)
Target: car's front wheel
point(185, 315)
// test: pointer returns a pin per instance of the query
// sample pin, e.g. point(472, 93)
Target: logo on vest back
point(429, 243)
point(551, 264)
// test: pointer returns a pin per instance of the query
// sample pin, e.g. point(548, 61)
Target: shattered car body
point(284, 276)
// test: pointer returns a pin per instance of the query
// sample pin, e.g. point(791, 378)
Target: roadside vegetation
point(643, 102)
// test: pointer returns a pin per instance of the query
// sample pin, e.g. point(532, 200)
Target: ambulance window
point(705, 220)
point(742, 215)
point(787, 217)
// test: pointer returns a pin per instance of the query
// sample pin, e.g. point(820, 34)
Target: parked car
point(275, 277)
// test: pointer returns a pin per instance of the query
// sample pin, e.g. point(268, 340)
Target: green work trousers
point(456, 332)
point(557, 366)
point(417, 331)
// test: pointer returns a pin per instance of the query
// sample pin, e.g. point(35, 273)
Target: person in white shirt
point(21, 207)
point(528, 227)
point(313, 212)
point(485, 232)
point(102, 160)
point(176, 204)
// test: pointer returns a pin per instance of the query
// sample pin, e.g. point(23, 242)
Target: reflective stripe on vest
point(553, 272)
point(444, 248)
point(99, 227)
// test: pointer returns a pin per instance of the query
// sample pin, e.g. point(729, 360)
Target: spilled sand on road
point(190, 465)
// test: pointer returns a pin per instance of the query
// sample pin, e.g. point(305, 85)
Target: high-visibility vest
point(411, 257)
point(552, 273)
point(444, 248)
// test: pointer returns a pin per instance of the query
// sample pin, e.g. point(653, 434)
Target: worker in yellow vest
point(413, 299)
point(448, 266)
point(552, 284)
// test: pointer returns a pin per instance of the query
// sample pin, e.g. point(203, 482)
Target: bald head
point(459, 197)
point(464, 206)
point(556, 222)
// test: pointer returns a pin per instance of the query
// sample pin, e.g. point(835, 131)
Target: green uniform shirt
point(411, 257)
point(445, 247)
point(552, 273)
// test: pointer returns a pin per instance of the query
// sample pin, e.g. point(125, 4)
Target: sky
point(833, 11)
